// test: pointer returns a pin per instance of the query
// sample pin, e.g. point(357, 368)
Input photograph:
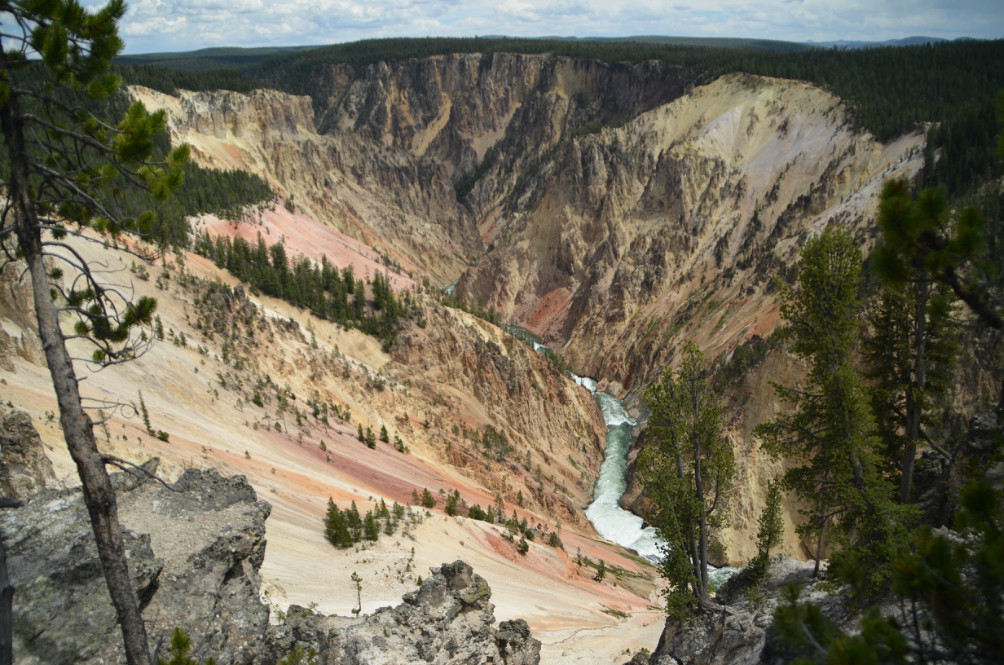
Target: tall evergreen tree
point(336, 528)
point(354, 522)
point(829, 436)
point(911, 350)
point(687, 471)
point(770, 529)
point(61, 169)
point(371, 531)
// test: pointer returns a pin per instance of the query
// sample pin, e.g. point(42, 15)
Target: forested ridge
point(949, 86)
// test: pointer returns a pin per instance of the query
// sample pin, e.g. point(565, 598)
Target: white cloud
point(162, 25)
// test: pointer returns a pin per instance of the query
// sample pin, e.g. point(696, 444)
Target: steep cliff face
point(674, 225)
point(455, 110)
point(380, 159)
point(402, 208)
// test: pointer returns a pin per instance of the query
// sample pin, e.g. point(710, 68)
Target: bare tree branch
point(136, 470)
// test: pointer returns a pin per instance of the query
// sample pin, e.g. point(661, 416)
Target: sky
point(182, 25)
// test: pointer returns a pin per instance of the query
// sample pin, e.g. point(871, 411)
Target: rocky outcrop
point(738, 631)
point(725, 636)
point(449, 620)
point(24, 467)
point(194, 554)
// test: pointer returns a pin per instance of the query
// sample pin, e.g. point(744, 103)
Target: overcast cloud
point(178, 25)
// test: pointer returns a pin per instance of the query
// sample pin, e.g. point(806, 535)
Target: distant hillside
point(706, 42)
point(209, 59)
point(906, 41)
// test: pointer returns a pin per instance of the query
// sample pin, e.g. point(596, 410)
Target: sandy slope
point(211, 426)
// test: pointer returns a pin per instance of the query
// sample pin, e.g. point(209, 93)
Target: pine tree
point(829, 437)
point(687, 471)
point(330, 520)
point(336, 529)
point(62, 168)
point(911, 350)
point(770, 531)
point(354, 522)
point(145, 414)
point(370, 529)
point(452, 500)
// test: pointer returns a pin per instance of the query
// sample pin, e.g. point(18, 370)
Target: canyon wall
point(615, 210)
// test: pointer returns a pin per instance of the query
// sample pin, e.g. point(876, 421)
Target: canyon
point(619, 210)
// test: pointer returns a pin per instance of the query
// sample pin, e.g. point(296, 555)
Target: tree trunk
point(915, 392)
point(702, 530)
point(99, 496)
point(702, 526)
point(819, 547)
point(6, 614)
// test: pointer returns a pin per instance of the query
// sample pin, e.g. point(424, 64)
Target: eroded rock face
point(519, 392)
point(24, 468)
point(375, 152)
point(194, 555)
point(633, 239)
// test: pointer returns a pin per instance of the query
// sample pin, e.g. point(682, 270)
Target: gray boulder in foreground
point(195, 556)
point(738, 631)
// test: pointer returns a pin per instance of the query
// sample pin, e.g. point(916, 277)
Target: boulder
point(194, 555)
point(738, 630)
point(722, 636)
point(24, 468)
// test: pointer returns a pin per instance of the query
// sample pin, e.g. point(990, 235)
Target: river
point(610, 520)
